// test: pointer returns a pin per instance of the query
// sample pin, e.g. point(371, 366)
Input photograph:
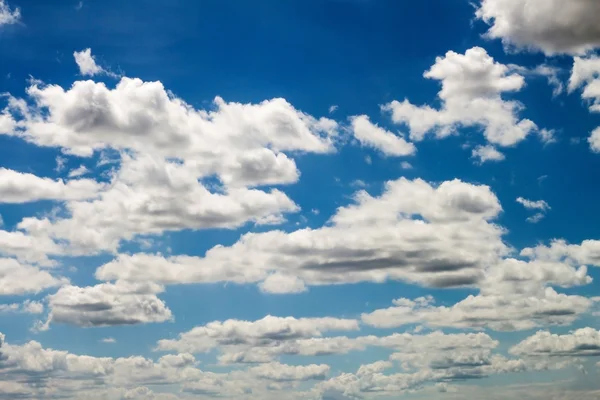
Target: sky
point(300, 199)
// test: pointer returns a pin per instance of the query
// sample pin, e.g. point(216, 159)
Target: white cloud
point(580, 343)
point(79, 171)
point(533, 205)
point(540, 205)
point(586, 74)
point(268, 330)
point(594, 140)
point(487, 153)
point(514, 295)
point(588, 253)
point(28, 248)
point(8, 16)
point(280, 284)
point(371, 135)
point(87, 63)
point(471, 96)
point(27, 307)
point(145, 117)
point(333, 109)
point(18, 279)
point(534, 219)
point(552, 26)
point(149, 196)
point(284, 373)
point(107, 304)
point(19, 187)
point(108, 340)
point(437, 236)
point(406, 165)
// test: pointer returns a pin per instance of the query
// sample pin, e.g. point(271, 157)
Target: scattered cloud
point(386, 142)
point(8, 15)
point(488, 153)
point(551, 26)
point(472, 87)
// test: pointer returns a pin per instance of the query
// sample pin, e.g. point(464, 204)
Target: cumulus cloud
point(371, 135)
point(586, 74)
point(487, 153)
point(254, 333)
point(26, 307)
point(471, 95)
point(18, 279)
point(149, 196)
point(106, 305)
point(440, 236)
point(143, 116)
point(514, 295)
point(552, 26)
point(8, 15)
point(580, 343)
point(19, 187)
point(87, 63)
point(283, 373)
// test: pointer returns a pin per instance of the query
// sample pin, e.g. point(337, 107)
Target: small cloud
point(314, 211)
point(539, 205)
point(7, 15)
point(60, 163)
point(406, 165)
point(333, 109)
point(358, 184)
point(534, 219)
point(88, 66)
point(79, 6)
point(541, 179)
point(487, 153)
point(547, 136)
point(108, 340)
point(533, 205)
point(82, 170)
point(368, 160)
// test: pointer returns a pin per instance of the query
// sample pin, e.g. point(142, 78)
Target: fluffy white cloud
point(586, 74)
point(487, 153)
point(27, 307)
point(17, 278)
point(514, 295)
point(282, 373)
point(19, 187)
point(143, 116)
point(254, 333)
point(433, 235)
point(582, 342)
point(149, 196)
point(594, 140)
point(87, 63)
point(28, 248)
point(471, 95)
point(8, 15)
point(552, 26)
point(588, 252)
point(371, 135)
point(494, 311)
point(107, 304)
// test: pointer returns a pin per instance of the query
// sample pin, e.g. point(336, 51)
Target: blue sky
point(325, 199)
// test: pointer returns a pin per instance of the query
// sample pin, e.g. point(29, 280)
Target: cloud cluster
point(552, 26)
point(472, 88)
point(440, 236)
point(8, 15)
